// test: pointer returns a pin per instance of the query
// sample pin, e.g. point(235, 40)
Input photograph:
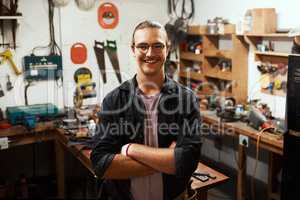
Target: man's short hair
point(148, 24)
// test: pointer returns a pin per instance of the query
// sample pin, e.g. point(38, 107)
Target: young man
point(150, 130)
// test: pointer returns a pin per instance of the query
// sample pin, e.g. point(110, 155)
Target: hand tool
point(1, 91)
point(9, 85)
point(7, 55)
point(111, 49)
point(99, 51)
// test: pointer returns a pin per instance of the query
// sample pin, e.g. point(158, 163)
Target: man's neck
point(150, 84)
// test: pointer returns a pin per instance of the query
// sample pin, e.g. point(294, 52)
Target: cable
point(172, 9)
point(53, 46)
point(256, 159)
point(25, 92)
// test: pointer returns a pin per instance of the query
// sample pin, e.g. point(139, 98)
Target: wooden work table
point(19, 135)
point(271, 142)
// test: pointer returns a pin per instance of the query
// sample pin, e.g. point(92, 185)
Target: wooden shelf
point(208, 60)
point(11, 17)
point(191, 75)
point(196, 30)
point(266, 35)
point(218, 53)
point(275, 92)
point(191, 56)
point(220, 75)
point(273, 53)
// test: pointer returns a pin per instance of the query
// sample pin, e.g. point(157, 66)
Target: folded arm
point(160, 159)
point(123, 167)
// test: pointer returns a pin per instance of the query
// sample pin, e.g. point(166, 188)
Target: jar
point(211, 27)
point(220, 25)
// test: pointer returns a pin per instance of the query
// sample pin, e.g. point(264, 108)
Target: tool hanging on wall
point(9, 85)
point(7, 55)
point(99, 52)
point(111, 50)
point(85, 86)
point(60, 3)
point(78, 53)
point(85, 5)
point(1, 91)
point(9, 8)
point(108, 16)
point(177, 24)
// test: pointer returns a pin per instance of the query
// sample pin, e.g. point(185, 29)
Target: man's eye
point(143, 47)
point(158, 46)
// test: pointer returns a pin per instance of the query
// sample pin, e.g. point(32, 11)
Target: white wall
point(73, 25)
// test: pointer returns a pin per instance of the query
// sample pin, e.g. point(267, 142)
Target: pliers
point(203, 176)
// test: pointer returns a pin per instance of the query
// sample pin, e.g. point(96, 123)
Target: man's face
point(150, 50)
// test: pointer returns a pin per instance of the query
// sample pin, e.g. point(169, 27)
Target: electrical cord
point(53, 46)
point(184, 14)
point(26, 91)
point(256, 160)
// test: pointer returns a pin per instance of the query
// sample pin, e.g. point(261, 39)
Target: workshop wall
point(234, 10)
point(74, 25)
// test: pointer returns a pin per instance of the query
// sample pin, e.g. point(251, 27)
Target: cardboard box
point(264, 20)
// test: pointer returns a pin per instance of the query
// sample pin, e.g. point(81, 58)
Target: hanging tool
point(78, 53)
point(1, 21)
point(7, 55)
point(85, 86)
point(1, 91)
point(111, 49)
point(9, 85)
point(99, 51)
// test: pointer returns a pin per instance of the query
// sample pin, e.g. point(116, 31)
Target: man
point(150, 140)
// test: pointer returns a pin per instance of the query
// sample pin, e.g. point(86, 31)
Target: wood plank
point(196, 29)
point(218, 53)
point(269, 141)
point(274, 53)
point(267, 35)
point(21, 130)
point(191, 75)
point(191, 56)
point(241, 177)
point(220, 178)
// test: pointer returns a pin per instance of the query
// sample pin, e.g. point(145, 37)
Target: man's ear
point(133, 49)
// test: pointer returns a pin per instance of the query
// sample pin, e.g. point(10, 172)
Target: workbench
point(268, 141)
point(19, 135)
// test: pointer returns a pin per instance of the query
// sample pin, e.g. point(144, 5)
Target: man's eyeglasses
point(155, 47)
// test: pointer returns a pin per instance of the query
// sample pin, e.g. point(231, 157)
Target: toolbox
point(28, 115)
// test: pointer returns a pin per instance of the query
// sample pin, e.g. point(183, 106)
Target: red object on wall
point(78, 53)
point(108, 16)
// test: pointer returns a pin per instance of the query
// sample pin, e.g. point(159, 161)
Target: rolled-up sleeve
point(188, 146)
point(108, 145)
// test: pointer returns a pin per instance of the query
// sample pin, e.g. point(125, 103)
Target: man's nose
point(150, 51)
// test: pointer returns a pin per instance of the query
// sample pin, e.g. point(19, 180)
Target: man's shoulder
point(115, 94)
point(184, 90)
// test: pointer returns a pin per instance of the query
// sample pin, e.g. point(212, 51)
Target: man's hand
point(172, 145)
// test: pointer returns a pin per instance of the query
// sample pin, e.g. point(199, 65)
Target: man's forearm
point(160, 159)
point(124, 167)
